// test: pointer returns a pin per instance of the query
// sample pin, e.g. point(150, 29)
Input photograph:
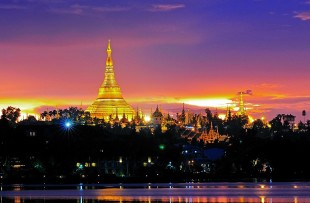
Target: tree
point(43, 115)
point(209, 114)
point(11, 114)
point(304, 115)
point(236, 126)
point(258, 124)
point(301, 126)
point(276, 124)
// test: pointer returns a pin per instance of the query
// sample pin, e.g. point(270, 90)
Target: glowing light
point(222, 116)
point(147, 118)
point(217, 102)
point(262, 199)
point(24, 115)
point(24, 105)
point(251, 119)
point(295, 199)
point(68, 124)
point(161, 147)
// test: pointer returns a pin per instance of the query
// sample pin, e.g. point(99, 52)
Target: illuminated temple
point(110, 103)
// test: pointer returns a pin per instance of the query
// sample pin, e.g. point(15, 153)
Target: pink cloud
point(110, 9)
point(166, 7)
point(303, 15)
point(87, 10)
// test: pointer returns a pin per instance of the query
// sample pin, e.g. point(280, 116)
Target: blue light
point(68, 124)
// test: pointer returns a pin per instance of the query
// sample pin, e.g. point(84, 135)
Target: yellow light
point(24, 115)
point(147, 118)
point(251, 119)
point(32, 106)
point(222, 116)
point(262, 199)
point(25, 105)
point(216, 102)
point(295, 199)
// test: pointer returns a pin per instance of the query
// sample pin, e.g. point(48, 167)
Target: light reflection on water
point(187, 192)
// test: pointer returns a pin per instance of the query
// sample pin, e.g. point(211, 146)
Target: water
point(295, 192)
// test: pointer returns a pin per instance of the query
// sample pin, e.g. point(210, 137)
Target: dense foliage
point(54, 151)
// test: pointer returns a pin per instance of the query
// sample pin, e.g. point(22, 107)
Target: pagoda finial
point(109, 44)
point(109, 61)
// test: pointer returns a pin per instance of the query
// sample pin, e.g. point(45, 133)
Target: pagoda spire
point(109, 95)
point(157, 110)
point(109, 88)
point(109, 61)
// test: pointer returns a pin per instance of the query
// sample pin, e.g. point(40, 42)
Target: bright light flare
point(208, 102)
point(147, 118)
point(24, 115)
point(25, 106)
point(222, 116)
point(251, 119)
point(68, 124)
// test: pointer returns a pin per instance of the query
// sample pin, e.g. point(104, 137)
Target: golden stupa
point(110, 103)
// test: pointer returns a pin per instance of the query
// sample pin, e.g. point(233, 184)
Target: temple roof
point(157, 113)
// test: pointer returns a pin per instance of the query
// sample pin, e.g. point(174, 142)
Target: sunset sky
point(52, 53)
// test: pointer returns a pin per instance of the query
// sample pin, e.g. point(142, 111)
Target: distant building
point(157, 117)
point(212, 136)
point(182, 117)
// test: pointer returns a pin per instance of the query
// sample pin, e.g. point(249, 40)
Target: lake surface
point(154, 192)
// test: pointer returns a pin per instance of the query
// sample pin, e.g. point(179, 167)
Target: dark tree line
point(45, 151)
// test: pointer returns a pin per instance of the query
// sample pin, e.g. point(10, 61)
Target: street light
point(68, 124)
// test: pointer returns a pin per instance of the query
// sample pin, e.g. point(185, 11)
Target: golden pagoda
point(110, 102)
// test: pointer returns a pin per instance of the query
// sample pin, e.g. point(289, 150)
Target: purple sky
point(52, 52)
